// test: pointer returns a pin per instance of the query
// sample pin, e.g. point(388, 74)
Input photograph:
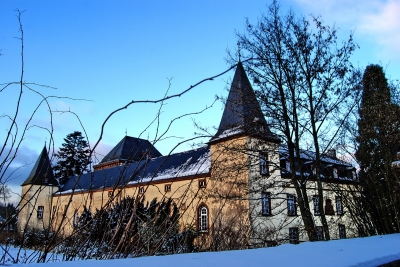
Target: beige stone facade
point(236, 185)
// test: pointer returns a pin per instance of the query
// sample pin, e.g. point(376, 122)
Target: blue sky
point(111, 52)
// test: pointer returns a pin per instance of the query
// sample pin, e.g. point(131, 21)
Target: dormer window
point(335, 173)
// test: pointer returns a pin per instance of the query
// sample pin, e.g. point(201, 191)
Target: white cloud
point(383, 26)
point(102, 149)
point(376, 23)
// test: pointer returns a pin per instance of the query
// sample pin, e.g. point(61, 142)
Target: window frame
point(266, 196)
point(167, 188)
point(319, 233)
point(141, 189)
point(335, 173)
point(329, 212)
point(202, 218)
point(264, 164)
point(315, 200)
point(202, 183)
point(339, 205)
point(110, 193)
point(291, 202)
point(76, 218)
point(293, 235)
point(342, 231)
point(40, 212)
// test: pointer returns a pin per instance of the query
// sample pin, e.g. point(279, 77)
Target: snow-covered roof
point(188, 163)
point(309, 157)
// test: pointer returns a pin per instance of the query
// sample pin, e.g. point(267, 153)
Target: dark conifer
point(379, 139)
point(72, 158)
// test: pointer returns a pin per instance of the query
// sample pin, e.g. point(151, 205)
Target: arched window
point(203, 219)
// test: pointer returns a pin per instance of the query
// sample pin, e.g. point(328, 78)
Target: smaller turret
point(37, 191)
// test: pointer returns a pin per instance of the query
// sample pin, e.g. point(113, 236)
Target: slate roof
point(310, 156)
point(42, 173)
point(242, 113)
point(189, 163)
point(131, 148)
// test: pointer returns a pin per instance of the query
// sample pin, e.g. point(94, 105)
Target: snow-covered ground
point(368, 251)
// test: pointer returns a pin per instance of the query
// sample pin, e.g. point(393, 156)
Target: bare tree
point(306, 86)
point(51, 234)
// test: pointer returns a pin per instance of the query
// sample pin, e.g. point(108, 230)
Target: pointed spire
point(242, 113)
point(42, 173)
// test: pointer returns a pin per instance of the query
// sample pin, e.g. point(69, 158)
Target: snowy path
point(365, 252)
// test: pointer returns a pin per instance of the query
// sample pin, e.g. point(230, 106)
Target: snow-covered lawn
point(369, 251)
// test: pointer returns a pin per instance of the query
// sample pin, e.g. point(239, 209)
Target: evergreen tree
point(72, 158)
point(379, 140)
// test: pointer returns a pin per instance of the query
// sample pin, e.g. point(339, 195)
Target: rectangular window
point(294, 235)
point(202, 183)
point(357, 205)
point(110, 193)
point(342, 231)
point(40, 210)
point(339, 206)
point(266, 203)
point(141, 190)
point(319, 233)
point(264, 164)
point(282, 164)
point(76, 219)
point(288, 166)
point(316, 205)
point(291, 205)
point(328, 207)
point(167, 187)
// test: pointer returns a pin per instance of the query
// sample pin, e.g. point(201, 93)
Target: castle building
point(239, 180)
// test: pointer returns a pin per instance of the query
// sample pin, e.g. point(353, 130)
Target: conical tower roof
point(42, 173)
point(242, 112)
